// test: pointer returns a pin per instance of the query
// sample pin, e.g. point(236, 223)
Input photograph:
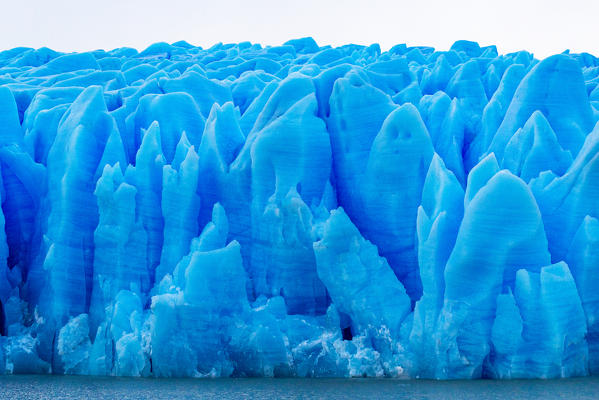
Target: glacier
point(299, 210)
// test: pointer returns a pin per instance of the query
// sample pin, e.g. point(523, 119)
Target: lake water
point(73, 387)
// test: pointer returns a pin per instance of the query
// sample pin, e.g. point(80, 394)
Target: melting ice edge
point(299, 211)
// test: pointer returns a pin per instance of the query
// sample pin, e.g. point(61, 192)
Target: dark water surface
point(74, 387)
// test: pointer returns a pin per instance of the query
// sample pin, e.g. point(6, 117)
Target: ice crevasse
point(299, 210)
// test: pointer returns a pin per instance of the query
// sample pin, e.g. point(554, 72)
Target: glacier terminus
point(299, 210)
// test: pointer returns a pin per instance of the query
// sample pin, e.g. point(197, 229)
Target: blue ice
point(299, 210)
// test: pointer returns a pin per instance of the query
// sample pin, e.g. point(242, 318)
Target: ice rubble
point(299, 210)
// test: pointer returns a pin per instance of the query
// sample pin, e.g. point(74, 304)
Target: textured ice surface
point(299, 211)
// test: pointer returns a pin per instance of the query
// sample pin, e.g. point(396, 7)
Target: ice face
point(299, 210)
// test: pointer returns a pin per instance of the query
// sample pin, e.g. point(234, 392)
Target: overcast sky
point(543, 27)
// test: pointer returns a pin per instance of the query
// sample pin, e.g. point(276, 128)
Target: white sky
point(543, 27)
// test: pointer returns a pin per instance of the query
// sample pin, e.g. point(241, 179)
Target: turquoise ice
point(299, 210)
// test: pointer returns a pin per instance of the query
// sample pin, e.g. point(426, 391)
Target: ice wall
point(299, 210)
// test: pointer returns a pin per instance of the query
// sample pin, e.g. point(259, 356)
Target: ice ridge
point(299, 210)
